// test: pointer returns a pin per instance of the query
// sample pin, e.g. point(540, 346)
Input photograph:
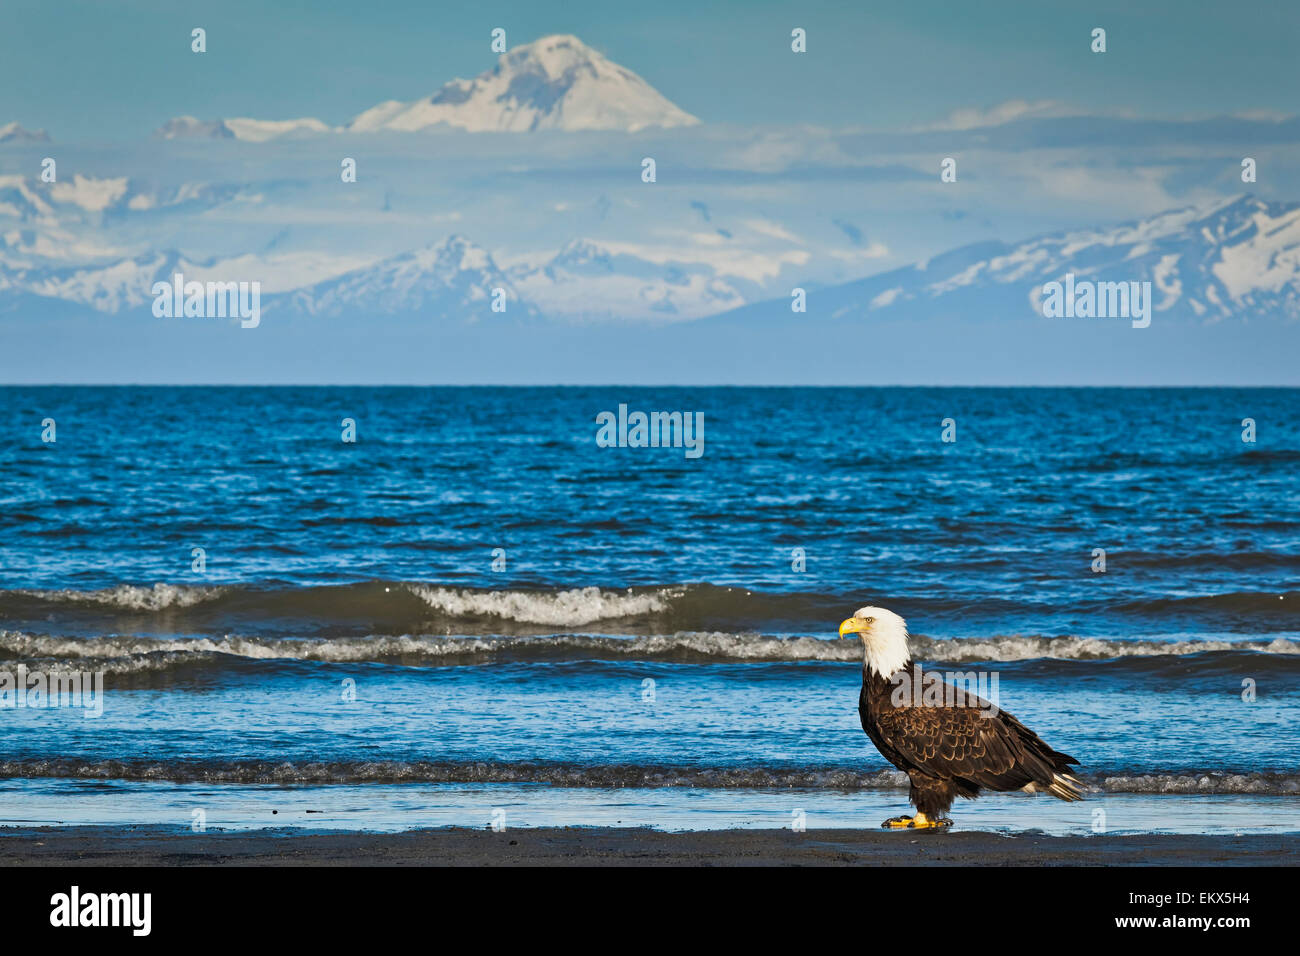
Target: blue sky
point(89, 70)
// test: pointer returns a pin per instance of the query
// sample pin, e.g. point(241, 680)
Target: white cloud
point(92, 195)
point(874, 250)
point(886, 298)
point(725, 261)
point(972, 117)
point(773, 230)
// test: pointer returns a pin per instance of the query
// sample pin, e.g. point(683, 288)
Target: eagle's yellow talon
point(925, 823)
point(918, 822)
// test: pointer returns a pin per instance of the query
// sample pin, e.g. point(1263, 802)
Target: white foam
point(136, 598)
point(572, 608)
point(132, 653)
point(1024, 648)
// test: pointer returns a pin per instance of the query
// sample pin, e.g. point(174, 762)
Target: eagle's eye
point(870, 620)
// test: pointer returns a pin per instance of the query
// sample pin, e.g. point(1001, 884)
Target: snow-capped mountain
point(187, 127)
point(1233, 259)
point(13, 133)
point(556, 82)
point(249, 130)
point(453, 280)
point(589, 281)
point(1230, 261)
point(111, 288)
point(116, 284)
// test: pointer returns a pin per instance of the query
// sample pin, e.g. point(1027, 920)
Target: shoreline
point(600, 846)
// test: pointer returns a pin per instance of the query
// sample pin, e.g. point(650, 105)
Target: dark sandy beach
point(630, 847)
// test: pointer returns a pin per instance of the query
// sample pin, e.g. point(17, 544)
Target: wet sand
point(139, 846)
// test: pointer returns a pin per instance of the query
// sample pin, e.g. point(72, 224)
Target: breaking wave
point(572, 608)
point(383, 607)
point(134, 654)
point(613, 776)
point(129, 597)
point(413, 607)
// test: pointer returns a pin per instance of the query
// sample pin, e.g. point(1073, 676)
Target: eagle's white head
point(884, 639)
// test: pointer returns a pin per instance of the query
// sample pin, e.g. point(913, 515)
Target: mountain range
point(1231, 260)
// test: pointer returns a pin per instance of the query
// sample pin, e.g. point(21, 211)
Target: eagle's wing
point(994, 751)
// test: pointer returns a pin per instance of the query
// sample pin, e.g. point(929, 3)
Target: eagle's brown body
point(957, 751)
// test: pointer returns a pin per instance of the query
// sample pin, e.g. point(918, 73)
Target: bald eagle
point(947, 749)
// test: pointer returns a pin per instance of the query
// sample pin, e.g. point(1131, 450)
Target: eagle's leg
point(932, 797)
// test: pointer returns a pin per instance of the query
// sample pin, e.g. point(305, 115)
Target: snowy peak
point(583, 254)
point(113, 288)
point(187, 127)
point(453, 280)
point(588, 281)
point(556, 58)
point(557, 82)
point(249, 130)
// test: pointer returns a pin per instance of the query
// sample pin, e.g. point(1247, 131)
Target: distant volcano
point(557, 82)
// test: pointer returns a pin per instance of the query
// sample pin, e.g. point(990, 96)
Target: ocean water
point(476, 609)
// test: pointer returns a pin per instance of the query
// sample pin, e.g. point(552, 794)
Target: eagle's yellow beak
point(852, 625)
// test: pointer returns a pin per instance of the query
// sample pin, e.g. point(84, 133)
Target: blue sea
point(476, 611)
